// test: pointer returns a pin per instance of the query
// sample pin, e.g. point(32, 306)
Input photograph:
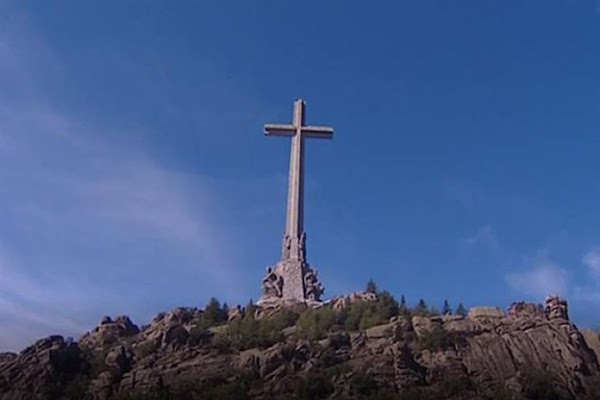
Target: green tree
point(363, 315)
point(248, 332)
point(446, 310)
point(421, 308)
point(371, 287)
point(461, 310)
point(402, 308)
point(213, 314)
point(387, 305)
point(314, 324)
point(250, 308)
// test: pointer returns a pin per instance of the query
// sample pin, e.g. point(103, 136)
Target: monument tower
point(293, 279)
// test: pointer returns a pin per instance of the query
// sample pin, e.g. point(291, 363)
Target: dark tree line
point(421, 308)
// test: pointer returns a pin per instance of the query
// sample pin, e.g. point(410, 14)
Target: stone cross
point(293, 271)
point(294, 226)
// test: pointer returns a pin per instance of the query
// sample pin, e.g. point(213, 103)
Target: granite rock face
point(339, 303)
point(41, 370)
point(7, 357)
point(108, 332)
point(492, 350)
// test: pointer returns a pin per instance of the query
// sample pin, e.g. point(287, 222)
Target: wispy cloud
point(485, 236)
point(589, 292)
point(591, 260)
point(539, 277)
point(91, 226)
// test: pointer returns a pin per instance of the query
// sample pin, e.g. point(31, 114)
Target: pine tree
point(461, 310)
point(402, 308)
point(371, 287)
point(214, 313)
point(421, 308)
point(250, 309)
point(446, 310)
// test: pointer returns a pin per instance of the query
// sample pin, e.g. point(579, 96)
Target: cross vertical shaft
point(295, 206)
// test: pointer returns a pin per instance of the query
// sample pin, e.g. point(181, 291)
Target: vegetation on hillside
point(312, 324)
point(327, 334)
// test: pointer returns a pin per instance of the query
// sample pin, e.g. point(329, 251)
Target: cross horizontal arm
point(280, 129)
point(317, 132)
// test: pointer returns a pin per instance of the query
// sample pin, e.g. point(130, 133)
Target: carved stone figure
point(302, 247)
point(312, 286)
point(272, 284)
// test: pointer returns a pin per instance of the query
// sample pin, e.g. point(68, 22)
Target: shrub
point(362, 384)
point(456, 386)
point(540, 385)
point(146, 348)
point(199, 337)
point(77, 387)
point(439, 339)
point(162, 394)
point(95, 361)
point(363, 315)
point(177, 335)
point(314, 386)
point(222, 343)
point(248, 332)
point(228, 384)
point(314, 324)
point(329, 358)
point(214, 314)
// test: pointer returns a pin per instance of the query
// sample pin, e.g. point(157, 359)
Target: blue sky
point(134, 176)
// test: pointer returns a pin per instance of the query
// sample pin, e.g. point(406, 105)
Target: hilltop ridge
point(361, 346)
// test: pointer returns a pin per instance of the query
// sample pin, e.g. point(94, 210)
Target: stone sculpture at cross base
point(300, 280)
point(293, 279)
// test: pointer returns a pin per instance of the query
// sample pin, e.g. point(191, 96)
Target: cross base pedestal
point(291, 280)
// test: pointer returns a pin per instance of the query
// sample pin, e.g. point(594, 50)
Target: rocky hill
point(363, 346)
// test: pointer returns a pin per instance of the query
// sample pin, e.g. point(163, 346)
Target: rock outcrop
point(475, 357)
point(108, 332)
point(42, 370)
point(342, 302)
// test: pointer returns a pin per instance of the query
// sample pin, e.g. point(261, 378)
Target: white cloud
point(590, 291)
point(485, 236)
point(542, 278)
point(591, 260)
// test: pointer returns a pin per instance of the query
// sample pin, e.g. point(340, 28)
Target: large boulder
point(166, 328)
point(7, 357)
point(556, 308)
point(339, 303)
point(524, 309)
point(235, 313)
point(108, 332)
point(479, 313)
point(49, 363)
